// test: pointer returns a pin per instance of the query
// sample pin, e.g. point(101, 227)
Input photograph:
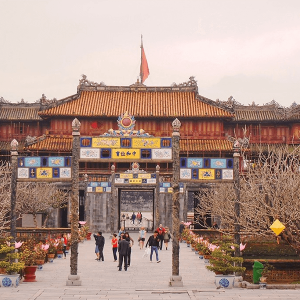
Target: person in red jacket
point(161, 232)
point(114, 242)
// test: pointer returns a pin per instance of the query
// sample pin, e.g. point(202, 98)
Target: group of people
point(122, 243)
point(138, 217)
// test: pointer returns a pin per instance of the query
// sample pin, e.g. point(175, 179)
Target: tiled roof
point(64, 144)
point(5, 146)
point(53, 143)
point(137, 103)
point(258, 113)
point(13, 112)
point(190, 145)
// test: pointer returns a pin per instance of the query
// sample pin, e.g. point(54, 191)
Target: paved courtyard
point(143, 280)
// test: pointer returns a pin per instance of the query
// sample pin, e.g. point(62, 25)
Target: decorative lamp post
point(236, 184)
point(238, 145)
point(175, 279)
point(156, 223)
point(74, 278)
point(112, 200)
point(13, 197)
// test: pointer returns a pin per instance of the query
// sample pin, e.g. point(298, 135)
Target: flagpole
point(141, 66)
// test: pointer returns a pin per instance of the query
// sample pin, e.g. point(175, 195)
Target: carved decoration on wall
point(126, 124)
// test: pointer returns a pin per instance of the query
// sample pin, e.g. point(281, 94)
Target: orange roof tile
point(190, 145)
point(15, 112)
point(53, 143)
point(139, 104)
point(64, 144)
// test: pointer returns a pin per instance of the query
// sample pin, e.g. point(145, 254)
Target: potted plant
point(266, 271)
point(40, 256)
point(185, 234)
point(51, 250)
point(28, 256)
point(223, 262)
point(9, 264)
point(59, 249)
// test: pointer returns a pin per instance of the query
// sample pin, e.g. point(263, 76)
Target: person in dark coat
point(100, 241)
point(123, 248)
point(153, 242)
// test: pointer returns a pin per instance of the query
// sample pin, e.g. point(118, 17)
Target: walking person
point(153, 242)
point(100, 241)
point(133, 217)
point(167, 237)
point(123, 251)
point(181, 228)
point(139, 217)
point(130, 242)
point(64, 242)
point(121, 232)
point(161, 232)
point(114, 242)
point(142, 237)
point(96, 237)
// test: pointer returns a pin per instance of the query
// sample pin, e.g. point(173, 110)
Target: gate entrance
point(136, 202)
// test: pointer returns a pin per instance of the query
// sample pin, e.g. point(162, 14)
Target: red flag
point(144, 66)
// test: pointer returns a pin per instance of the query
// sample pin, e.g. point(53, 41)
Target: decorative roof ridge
point(21, 104)
point(216, 103)
point(30, 140)
point(86, 85)
point(49, 103)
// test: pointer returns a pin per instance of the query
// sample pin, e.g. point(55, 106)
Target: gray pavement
point(143, 280)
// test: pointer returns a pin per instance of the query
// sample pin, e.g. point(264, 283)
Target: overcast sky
point(246, 49)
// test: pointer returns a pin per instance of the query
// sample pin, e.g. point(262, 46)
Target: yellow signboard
point(99, 189)
point(206, 174)
point(126, 153)
point(135, 180)
point(144, 176)
point(143, 143)
point(106, 142)
point(43, 172)
point(126, 175)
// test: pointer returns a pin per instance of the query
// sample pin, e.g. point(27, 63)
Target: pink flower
point(242, 247)
point(45, 247)
point(18, 244)
point(232, 247)
point(212, 247)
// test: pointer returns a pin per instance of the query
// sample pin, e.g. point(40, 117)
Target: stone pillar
point(157, 193)
point(236, 183)
point(13, 196)
point(74, 278)
point(112, 201)
point(175, 279)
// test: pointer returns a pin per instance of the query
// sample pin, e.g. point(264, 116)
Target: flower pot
point(88, 236)
point(59, 254)
point(224, 281)
point(40, 263)
point(7, 280)
point(29, 273)
point(50, 257)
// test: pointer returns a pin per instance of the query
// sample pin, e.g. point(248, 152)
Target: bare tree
point(5, 173)
point(40, 197)
point(269, 190)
